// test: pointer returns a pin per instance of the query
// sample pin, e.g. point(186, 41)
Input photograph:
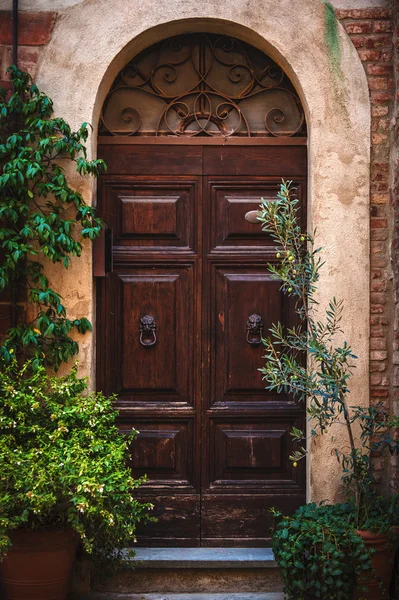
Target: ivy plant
point(319, 553)
point(309, 362)
point(63, 463)
point(42, 219)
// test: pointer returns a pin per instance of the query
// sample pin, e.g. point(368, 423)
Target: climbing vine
point(42, 218)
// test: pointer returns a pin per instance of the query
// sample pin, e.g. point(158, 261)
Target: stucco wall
point(92, 40)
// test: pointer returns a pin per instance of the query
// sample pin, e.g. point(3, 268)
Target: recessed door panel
point(163, 451)
point(151, 214)
point(230, 199)
point(252, 451)
point(155, 308)
point(248, 302)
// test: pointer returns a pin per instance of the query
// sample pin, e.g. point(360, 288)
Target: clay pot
point(38, 565)
point(382, 559)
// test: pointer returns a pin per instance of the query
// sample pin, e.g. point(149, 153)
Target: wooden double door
point(179, 321)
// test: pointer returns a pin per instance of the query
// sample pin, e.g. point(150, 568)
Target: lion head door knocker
point(148, 326)
point(254, 330)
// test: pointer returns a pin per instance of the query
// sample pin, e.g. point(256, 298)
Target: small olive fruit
point(278, 254)
point(294, 464)
point(289, 290)
point(302, 238)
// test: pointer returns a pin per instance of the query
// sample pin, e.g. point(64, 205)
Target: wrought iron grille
point(202, 85)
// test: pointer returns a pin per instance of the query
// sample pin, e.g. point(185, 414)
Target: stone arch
point(93, 41)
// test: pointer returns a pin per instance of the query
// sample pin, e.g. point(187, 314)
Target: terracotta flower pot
point(382, 562)
point(38, 565)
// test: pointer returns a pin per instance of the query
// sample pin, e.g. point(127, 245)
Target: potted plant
point(65, 478)
point(307, 362)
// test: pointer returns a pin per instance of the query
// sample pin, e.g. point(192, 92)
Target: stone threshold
point(204, 558)
point(191, 596)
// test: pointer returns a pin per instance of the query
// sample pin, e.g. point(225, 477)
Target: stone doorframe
point(91, 43)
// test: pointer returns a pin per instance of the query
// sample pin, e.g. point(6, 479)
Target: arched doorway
point(195, 130)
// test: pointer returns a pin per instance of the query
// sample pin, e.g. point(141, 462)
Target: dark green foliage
point(319, 553)
point(64, 463)
point(41, 218)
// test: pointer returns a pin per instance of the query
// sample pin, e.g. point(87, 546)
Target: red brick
point(364, 13)
point(381, 83)
point(379, 97)
point(382, 26)
point(378, 355)
point(34, 29)
point(358, 27)
point(379, 234)
point(376, 331)
point(377, 367)
point(379, 198)
point(375, 378)
point(378, 344)
point(374, 41)
point(378, 223)
point(380, 69)
point(366, 55)
point(28, 58)
point(387, 55)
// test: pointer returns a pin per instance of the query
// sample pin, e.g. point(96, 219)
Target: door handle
point(254, 330)
point(148, 336)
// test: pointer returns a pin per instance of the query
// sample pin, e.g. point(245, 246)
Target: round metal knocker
point(148, 336)
point(254, 330)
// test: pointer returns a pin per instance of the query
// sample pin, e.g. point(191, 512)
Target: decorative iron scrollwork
point(254, 330)
point(148, 326)
point(202, 85)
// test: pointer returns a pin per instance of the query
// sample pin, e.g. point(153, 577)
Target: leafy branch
point(307, 360)
point(41, 218)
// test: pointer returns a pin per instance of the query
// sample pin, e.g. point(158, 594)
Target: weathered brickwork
point(34, 31)
point(374, 33)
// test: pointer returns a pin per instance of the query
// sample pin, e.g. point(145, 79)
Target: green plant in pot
point(64, 477)
point(309, 362)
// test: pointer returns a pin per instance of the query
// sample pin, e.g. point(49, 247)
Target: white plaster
point(94, 40)
point(56, 5)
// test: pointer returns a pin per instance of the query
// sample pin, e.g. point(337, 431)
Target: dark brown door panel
point(151, 214)
point(228, 201)
point(241, 294)
point(253, 454)
point(153, 373)
point(164, 452)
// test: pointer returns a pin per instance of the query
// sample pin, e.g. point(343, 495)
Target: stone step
point(189, 572)
point(230, 596)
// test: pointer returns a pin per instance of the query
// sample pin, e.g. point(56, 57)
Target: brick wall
point(395, 249)
point(371, 31)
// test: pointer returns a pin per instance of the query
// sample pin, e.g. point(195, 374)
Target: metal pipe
point(15, 32)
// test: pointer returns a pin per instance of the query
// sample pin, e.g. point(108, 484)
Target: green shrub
point(63, 462)
point(319, 553)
